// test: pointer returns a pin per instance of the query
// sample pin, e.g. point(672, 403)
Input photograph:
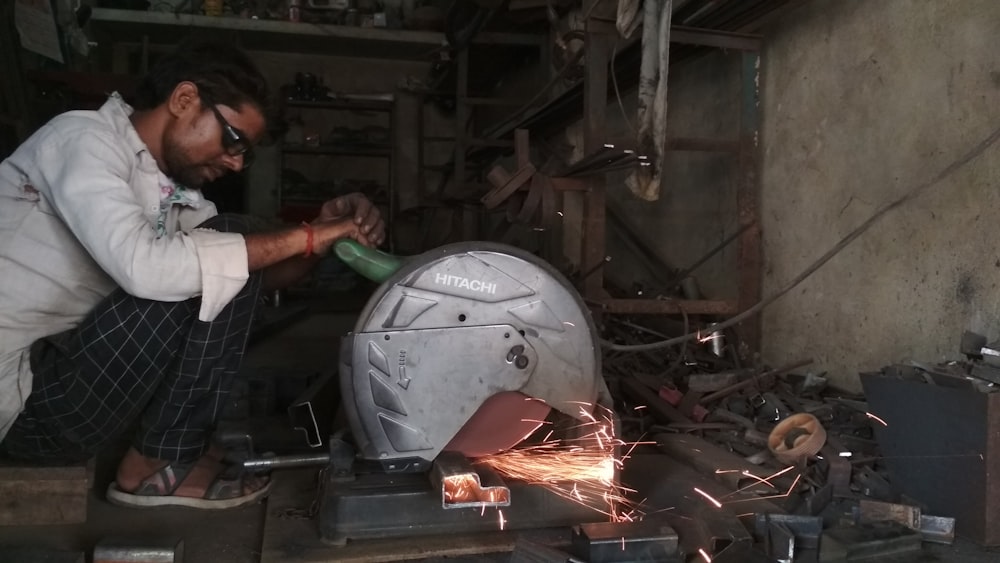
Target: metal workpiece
point(311, 412)
point(114, 550)
point(647, 540)
point(670, 497)
point(463, 486)
point(867, 541)
point(937, 529)
point(724, 466)
point(806, 530)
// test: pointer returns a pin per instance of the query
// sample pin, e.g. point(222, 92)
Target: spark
point(623, 543)
point(535, 421)
point(758, 479)
point(640, 407)
point(569, 323)
point(709, 337)
point(608, 146)
point(559, 213)
point(765, 480)
point(502, 521)
point(709, 497)
point(876, 418)
point(704, 555)
point(581, 469)
point(783, 495)
point(845, 454)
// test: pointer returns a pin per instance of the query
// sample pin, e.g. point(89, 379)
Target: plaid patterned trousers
point(134, 361)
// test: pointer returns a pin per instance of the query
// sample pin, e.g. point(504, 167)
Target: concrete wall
point(862, 101)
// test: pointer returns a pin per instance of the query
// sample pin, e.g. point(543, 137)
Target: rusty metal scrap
point(714, 413)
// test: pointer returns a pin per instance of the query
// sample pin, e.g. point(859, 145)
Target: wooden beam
point(748, 250)
point(595, 102)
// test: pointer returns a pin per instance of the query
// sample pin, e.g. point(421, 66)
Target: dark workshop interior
point(665, 281)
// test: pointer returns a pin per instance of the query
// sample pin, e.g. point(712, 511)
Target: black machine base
point(405, 505)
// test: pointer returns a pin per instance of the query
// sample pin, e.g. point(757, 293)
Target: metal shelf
point(341, 150)
point(350, 104)
point(132, 26)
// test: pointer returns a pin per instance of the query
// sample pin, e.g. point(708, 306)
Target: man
point(126, 300)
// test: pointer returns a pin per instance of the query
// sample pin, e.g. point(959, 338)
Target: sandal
point(225, 491)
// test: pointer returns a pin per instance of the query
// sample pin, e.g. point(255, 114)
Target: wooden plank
point(44, 495)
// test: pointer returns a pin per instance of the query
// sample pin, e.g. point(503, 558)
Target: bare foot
point(134, 468)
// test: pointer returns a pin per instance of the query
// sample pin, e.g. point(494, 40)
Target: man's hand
point(366, 216)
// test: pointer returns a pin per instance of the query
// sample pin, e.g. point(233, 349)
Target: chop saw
point(462, 352)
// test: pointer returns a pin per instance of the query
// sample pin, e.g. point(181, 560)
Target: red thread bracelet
point(309, 239)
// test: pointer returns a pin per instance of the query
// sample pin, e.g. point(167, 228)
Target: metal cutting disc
point(502, 422)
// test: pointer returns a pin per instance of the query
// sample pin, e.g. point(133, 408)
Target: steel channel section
point(451, 468)
point(727, 468)
point(626, 541)
point(668, 486)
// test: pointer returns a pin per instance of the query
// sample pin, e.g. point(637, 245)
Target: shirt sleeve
point(88, 177)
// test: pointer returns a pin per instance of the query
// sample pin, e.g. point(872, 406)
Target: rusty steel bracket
point(839, 472)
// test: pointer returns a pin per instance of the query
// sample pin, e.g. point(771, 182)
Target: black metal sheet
point(939, 444)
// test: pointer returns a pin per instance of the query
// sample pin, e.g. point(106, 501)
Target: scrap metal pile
point(776, 449)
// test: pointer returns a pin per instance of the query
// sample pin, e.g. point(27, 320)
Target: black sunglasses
point(234, 141)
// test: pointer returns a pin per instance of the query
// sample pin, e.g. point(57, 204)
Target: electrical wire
point(913, 192)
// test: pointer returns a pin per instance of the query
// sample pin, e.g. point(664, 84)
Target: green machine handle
point(373, 264)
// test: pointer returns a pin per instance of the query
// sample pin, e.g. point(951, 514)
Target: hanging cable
point(913, 192)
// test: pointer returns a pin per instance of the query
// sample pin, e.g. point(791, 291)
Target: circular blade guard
point(452, 329)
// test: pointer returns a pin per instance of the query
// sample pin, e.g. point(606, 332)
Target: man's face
point(198, 146)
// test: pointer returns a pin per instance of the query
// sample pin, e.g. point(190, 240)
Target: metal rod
point(708, 255)
point(286, 462)
point(747, 383)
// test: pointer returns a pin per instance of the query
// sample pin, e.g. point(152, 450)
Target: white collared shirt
point(79, 207)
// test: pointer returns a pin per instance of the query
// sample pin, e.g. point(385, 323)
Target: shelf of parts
point(111, 26)
point(340, 150)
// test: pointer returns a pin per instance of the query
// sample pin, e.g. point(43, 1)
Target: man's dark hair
point(224, 75)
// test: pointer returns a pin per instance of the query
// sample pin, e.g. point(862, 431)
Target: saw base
point(373, 506)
